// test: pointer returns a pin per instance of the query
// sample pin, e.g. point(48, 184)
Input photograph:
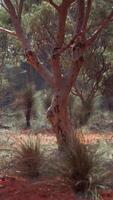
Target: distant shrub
point(28, 157)
point(25, 101)
point(28, 101)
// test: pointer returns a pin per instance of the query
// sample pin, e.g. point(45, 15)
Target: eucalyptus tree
point(90, 82)
point(77, 44)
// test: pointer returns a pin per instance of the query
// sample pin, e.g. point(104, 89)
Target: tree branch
point(63, 10)
point(73, 72)
point(79, 24)
point(75, 37)
point(88, 10)
point(16, 5)
point(80, 16)
point(102, 25)
point(55, 60)
point(20, 8)
point(78, 48)
point(53, 4)
point(8, 31)
point(78, 93)
point(3, 5)
point(30, 55)
point(16, 23)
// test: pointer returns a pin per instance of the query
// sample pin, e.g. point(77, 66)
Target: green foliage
point(3, 42)
point(39, 16)
point(100, 10)
point(4, 18)
point(91, 80)
point(4, 83)
point(29, 3)
point(107, 86)
point(10, 50)
point(47, 99)
point(28, 157)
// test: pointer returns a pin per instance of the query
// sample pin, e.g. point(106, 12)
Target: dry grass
point(28, 156)
point(85, 169)
point(79, 162)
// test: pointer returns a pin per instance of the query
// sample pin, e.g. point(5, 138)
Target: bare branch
point(16, 23)
point(53, 4)
point(102, 25)
point(76, 36)
point(58, 7)
point(3, 5)
point(88, 10)
point(80, 15)
point(20, 8)
point(17, 5)
point(34, 61)
point(79, 24)
point(78, 93)
point(73, 72)
point(30, 55)
point(55, 61)
point(63, 10)
point(8, 31)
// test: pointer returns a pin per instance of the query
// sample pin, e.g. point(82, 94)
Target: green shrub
point(28, 157)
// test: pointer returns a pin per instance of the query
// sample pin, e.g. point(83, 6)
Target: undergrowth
point(28, 157)
point(85, 169)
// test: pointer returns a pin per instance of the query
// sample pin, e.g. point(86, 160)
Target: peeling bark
point(58, 116)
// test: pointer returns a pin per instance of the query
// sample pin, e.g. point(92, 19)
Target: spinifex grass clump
point(84, 168)
point(80, 162)
point(28, 157)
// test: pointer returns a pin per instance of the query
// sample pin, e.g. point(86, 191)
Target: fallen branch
point(8, 31)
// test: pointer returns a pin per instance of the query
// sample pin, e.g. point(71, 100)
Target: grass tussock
point(84, 168)
point(28, 157)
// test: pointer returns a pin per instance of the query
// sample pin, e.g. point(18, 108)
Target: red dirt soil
point(42, 190)
point(18, 189)
point(13, 188)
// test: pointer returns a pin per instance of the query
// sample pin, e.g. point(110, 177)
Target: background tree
point(90, 81)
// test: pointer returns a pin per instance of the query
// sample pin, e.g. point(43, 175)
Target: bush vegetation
point(28, 157)
point(84, 168)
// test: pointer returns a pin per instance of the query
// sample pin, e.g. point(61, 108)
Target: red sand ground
point(13, 188)
point(18, 189)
